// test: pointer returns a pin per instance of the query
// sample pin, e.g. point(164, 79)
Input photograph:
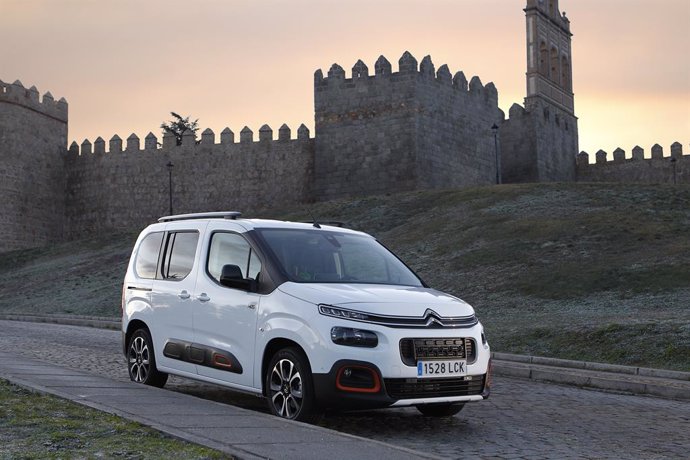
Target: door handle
point(184, 295)
point(203, 297)
point(252, 306)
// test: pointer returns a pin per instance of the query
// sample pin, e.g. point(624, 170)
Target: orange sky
point(124, 65)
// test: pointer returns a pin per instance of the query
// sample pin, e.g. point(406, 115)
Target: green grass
point(37, 426)
point(569, 259)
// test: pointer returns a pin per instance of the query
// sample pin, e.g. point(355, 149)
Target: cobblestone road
point(522, 419)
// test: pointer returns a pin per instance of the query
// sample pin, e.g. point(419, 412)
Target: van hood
point(379, 299)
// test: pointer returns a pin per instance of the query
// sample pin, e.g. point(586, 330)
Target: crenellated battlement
point(657, 168)
point(637, 154)
point(409, 70)
point(207, 139)
point(16, 93)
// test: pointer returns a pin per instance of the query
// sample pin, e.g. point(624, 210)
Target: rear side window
point(147, 255)
point(179, 256)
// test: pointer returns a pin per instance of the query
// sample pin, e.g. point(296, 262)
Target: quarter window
point(147, 255)
point(232, 249)
point(180, 254)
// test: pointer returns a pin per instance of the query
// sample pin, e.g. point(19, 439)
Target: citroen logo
point(432, 317)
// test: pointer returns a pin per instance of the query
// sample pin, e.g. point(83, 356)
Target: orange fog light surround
point(375, 389)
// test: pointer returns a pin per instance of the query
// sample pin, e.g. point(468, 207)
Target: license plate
point(441, 368)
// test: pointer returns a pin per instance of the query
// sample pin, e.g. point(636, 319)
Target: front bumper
point(333, 392)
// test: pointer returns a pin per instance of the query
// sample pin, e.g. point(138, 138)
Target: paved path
point(522, 419)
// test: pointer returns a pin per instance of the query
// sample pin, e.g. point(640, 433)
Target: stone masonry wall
point(455, 144)
point(518, 147)
point(33, 139)
point(129, 188)
point(391, 132)
point(539, 144)
point(658, 169)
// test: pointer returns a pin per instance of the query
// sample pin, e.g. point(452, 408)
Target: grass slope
point(597, 272)
point(37, 426)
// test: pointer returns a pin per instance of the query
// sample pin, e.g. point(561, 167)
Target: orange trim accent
point(221, 361)
point(375, 389)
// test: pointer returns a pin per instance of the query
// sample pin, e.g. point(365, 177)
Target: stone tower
point(33, 141)
point(540, 141)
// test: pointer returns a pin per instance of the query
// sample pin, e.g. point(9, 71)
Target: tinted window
point(180, 254)
point(147, 255)
point(319, 256)
point(232, 249)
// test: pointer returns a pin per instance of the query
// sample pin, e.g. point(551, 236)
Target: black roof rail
point(332, 223)
point(202, 215)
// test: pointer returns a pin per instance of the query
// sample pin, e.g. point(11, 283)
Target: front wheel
point(141, 361)
point(440, 410)
point(289, 386)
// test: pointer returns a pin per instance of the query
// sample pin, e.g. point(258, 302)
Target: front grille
point(434, 388)
point(429, 349)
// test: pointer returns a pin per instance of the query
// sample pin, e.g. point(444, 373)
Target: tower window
point(555, 67)
point(565, 74)
point(544, 59)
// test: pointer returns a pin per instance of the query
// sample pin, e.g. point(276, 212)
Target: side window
point(232, 249)
point(147, 255)
point(179, 256)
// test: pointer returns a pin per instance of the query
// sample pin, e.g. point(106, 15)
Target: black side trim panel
point(202, 355)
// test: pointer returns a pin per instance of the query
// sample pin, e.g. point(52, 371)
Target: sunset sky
point(124, 65)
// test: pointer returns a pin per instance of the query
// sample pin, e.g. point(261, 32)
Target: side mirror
point(231, 276)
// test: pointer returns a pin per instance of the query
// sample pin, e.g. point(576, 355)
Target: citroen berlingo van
point(311, 316)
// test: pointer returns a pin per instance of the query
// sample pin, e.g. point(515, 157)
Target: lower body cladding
point(360, 385)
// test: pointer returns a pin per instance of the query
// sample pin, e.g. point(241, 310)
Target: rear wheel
point(289, 386)
point(440, 410)
point(141, 361)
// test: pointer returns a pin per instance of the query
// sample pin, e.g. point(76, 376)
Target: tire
point(289, 386)
point(141, 360)
point(440, 410)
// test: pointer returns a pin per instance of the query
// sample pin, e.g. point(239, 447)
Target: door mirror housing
point(231, 276)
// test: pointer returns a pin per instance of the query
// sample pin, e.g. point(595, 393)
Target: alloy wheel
point(139, 360)
point(286, 389)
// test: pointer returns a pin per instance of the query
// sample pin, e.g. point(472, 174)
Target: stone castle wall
point(127, 187)
point(538, 144)
point(33, 136)
point(658, 169)
point(396, 131)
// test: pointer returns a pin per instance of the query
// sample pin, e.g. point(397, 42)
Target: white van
point(311, 316)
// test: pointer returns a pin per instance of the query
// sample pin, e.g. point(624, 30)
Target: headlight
point(342, 313)
point(354, 337)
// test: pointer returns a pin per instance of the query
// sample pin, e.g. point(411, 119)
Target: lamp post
point(494, 128)
point(170, 167)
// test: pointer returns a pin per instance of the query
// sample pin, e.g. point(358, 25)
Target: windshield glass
point(316, 256)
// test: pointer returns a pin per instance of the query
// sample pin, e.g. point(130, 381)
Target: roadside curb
point(99, 322)
point(627, 379)
point(210, 422)
point(601, 376)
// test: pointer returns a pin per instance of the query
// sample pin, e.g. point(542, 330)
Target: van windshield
point(317, 256)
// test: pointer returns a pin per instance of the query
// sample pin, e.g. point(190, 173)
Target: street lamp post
point(494, 128)
point(170, 166)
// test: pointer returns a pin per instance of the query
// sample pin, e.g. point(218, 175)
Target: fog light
point(358, 379)
point(354, 337)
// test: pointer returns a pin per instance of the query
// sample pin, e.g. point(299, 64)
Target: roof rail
point(202, 215)
point(332, 223)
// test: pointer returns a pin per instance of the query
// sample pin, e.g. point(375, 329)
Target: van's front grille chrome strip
point(429, 320)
